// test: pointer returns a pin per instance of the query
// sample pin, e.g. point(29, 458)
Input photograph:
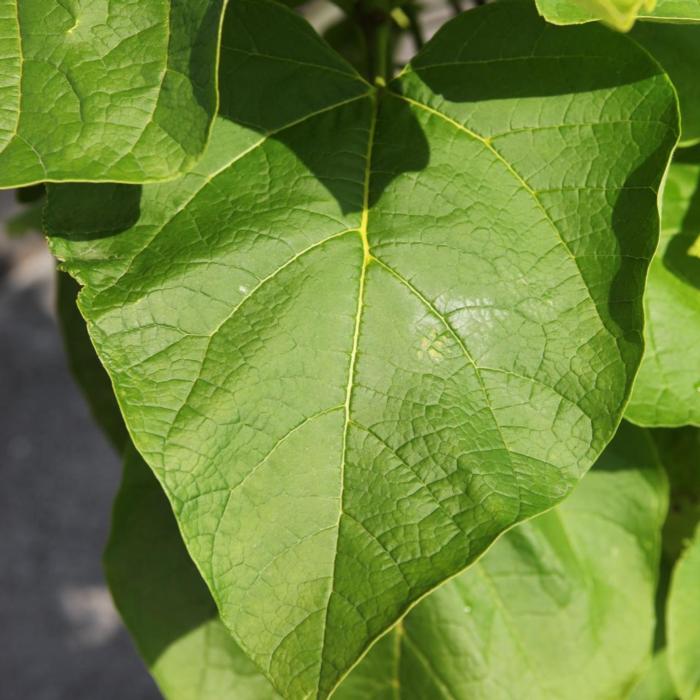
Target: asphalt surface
point(60, 637)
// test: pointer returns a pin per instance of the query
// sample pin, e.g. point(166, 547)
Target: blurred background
point(60, 636)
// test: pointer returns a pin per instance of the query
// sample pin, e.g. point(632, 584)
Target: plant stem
point(377, 29)
point(456, 6)
point(415, 28)
point(383, 41)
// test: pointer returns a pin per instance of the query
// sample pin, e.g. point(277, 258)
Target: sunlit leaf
point(373, 329)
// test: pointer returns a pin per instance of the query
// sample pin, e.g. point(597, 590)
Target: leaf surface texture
point(373, 329)
point(121, 90)
point(547, 596)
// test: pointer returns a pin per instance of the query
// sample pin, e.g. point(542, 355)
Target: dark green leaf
point(677, 49)
point(85, 365)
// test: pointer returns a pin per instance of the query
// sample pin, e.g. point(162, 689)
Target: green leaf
point(561, 608)
point(373, 329)
point(679, 450)
point(190, 653)
point(621, 14)
point(547, 596)
point(85, 365)
point(164, 602)
point(120, 90)
point(683, 630)
point(656, 683)
point(677, 49)
point(667, 389)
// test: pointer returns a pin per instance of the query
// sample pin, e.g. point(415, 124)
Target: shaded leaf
point(85, 366)
point(683, 630)
point(351, 360)
point(679, 450)
point(677, 48)
point(561, 608)
point(667, 389)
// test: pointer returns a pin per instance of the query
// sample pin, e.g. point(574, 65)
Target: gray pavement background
point(60, 637)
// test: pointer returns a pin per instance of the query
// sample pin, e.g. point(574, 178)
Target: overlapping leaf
point(619, 13)
point(121, 90)
point(677, 48)
point(656, 683)
point(373, 329)
point(667, 389)
point(683, 630)
point(85, 365)
point(679, 450)
point(561, 607)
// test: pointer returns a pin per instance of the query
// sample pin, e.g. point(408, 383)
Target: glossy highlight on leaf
point(374, 328)
point(120, 90)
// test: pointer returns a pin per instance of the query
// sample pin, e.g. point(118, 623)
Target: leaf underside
point(120, 90)
point(373, 329)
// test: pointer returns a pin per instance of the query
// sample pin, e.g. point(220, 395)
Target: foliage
point(360, 335)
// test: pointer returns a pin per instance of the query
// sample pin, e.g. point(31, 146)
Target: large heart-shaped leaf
point(550, 610)
point(667, 389)
point(374, 328)
point(619, 13)
point(121, 90)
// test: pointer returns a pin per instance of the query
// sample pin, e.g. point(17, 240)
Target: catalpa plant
point(365, 333)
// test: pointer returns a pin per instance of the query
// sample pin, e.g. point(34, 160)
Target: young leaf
point(667, 389)
point(677, 49)
point(373, 329)
point(683, 630)
point(621, 14)
point(121, 90)
point(549, 609)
